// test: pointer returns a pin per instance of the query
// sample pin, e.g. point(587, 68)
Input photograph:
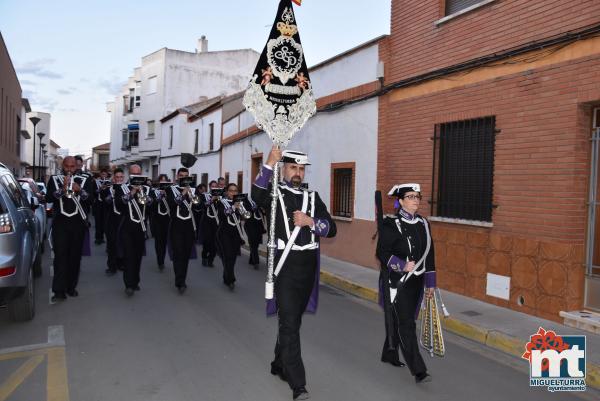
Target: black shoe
point(129, 291)
point(300, 393)
point(422, 377)
point(204, 262)
point(73, 293)
point(58, 297)
point(277, 371)
point(256, 266)
point(181, 288)
point(231, 286)
point(392, 360)
point(136, 288)
point(110, 272)
point(161, 268)
point(209, 263)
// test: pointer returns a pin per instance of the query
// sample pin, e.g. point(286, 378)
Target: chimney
point(202, 45)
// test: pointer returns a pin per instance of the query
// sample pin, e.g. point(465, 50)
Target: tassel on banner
point(297, 2)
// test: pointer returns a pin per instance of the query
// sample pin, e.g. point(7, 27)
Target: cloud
point(38, 68)
point(68, 110)
point(26, 82)
point(28, 94)
point(40, 103)
point(112, 86)
point(64, 91)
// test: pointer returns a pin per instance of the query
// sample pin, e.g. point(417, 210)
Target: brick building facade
point(446, 75)
point(10, 112)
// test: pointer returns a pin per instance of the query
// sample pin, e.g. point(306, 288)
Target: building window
point(454, 6)
point(131, 99)
point(103, 161)
point(240, 181)
point(151, 129)
point(342, 189)
point(211, 140)
point(124, 139)
point(174, 175)
point(465, 169)
point(204, 179)
point(196, 135)
point(170, 137)
point(138, 92)
point(134, 136)
point(226, 179)
point(151, 85)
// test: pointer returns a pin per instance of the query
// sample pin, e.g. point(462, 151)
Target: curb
point(491, 338)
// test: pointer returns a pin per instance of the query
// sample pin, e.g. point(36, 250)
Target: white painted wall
point(347, 72)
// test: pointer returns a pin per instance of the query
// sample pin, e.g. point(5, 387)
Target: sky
point(73, 56)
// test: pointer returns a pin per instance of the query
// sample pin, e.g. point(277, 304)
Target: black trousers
point(229, 248)
point(405, 328)
point(254, 234)
point(293, 287)
point(209, 231)
point(182, 240)
point(113, 261)
point(160, 232)
point(133, 238)
point(99, 216)
point(67, 241)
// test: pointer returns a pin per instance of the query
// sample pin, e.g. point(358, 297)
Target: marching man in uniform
point(113, 218)
point(70, 195)
point(210, 224)
point(182, 233)
point(255, 228)
point(301, 220)
point(160, 219)
point(131, 200)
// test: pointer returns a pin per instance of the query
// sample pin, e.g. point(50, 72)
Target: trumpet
point(195, 198)
point(141, 196)
point(239, 199)
point(69, 194)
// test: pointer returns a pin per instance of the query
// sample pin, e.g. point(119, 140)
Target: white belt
point(281, 246)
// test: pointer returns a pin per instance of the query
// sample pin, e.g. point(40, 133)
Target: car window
point(14, 191)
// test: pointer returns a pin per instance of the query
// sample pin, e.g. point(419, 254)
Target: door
point(592, 281)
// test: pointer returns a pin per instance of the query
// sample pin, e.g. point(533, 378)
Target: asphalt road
point(214, 344)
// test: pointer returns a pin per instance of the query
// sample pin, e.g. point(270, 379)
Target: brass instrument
point(141, 196)
point(70, 193)
point(239, 199)
point(432, 338)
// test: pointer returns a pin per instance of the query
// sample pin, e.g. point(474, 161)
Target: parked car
point(37, 200)
point(49, 205)
point(19, 248)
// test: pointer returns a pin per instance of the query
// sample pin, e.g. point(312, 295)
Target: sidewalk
point(496, 327)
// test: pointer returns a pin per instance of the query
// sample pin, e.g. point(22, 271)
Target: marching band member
point(210, 223)
point(160, 219)
point(98, 208)
point(301, 219)
point(406, 248)
point(199, 215)
point(229, 236)
point(255, 228)
point(70, 195)
point(131, 200)
point(113, 219)
point(181, 201)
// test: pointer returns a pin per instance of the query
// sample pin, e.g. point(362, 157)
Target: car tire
point(22, 308)
point(37, 263)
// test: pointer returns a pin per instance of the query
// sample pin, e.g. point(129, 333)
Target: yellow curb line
point(491, 338)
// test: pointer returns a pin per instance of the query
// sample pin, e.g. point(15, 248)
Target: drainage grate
point(471, 313)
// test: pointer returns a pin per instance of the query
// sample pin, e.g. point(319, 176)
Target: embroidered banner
point(280, 95)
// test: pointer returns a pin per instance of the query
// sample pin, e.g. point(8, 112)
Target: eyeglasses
point(413, 197)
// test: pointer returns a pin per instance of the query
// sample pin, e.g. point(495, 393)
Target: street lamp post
point(40, 135)
point(43, 171)
point(34, 121)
